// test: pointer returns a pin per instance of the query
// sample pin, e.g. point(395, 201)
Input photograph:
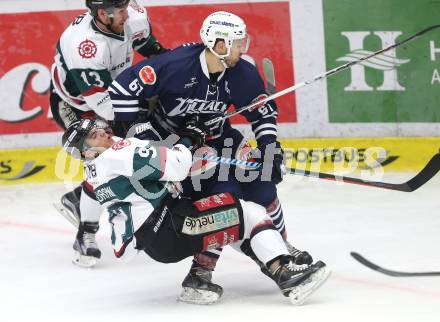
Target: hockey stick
point(389, 272)
point(216, 159)
point(269, 74)
point(429, 171)
point(416, 182)
point(319, 77)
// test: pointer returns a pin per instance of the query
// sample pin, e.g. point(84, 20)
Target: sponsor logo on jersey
point(148, 75)
point(143, 127)
point(90, 171)
point(103, 100)
point(222, 238)
point(204, 159)
point(191, 83)
point(121, 144)
point(160, 219)
point(197, 106)
point(211, 222)
point(87, 49)
point(120, 65)
point(244, 153)
point(259, 98)
point(138, 35)
point(214, 201)
point(104, 194)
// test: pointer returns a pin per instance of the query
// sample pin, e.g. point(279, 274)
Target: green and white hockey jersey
point(88, 59)
point(130, 179)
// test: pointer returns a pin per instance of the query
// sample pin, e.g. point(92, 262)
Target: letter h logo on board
point(386, 62)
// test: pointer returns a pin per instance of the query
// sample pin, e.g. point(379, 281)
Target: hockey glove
point(272, 158)
point(195, 132)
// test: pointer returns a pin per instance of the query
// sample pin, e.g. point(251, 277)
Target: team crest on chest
point(87, 49)
point(147, 75)
point(120, 145)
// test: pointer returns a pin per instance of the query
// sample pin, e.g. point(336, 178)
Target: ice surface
point(397, 230)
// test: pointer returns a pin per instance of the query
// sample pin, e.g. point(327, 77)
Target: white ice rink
point(397, 230)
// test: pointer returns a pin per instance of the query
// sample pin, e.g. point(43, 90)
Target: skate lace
point(292, 250)
point(291, 266)
point(89, 240)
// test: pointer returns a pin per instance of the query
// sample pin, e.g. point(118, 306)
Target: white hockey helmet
point(226, 26)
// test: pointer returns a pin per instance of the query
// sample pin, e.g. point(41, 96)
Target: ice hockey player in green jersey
point(96, 47)
point(135, 181)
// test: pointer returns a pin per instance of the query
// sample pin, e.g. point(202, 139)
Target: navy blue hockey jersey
point(181, 81)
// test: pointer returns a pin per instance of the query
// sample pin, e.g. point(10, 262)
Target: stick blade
point(361, 259)
point(427, 173)
point(269, 74)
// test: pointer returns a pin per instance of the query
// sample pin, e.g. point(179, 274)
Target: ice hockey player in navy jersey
point(96, 47)
point(201, 81)
point(131, 179)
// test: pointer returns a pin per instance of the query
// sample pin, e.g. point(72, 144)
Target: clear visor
point(242, 45)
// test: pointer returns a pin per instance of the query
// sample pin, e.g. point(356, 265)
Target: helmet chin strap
point(110, 15)
point(221, 57)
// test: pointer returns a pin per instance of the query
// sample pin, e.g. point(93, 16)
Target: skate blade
point(83, 261)
point(67, 214)
point(299, 294)
point(201, 297)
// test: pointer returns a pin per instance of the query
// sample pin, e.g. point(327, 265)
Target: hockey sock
point(275, 212)
point(207, 259)
point(90, 208)
point(266, 242)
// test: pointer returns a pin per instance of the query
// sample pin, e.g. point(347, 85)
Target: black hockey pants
point(181, 228)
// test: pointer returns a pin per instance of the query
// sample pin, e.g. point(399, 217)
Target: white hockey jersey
point(129, 179)
point(88, 59)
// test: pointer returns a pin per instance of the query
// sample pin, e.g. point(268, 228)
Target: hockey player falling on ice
point(92, 51)
point(130, 179)
point(203, 80)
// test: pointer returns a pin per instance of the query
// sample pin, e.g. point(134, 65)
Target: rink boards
point(327, 155)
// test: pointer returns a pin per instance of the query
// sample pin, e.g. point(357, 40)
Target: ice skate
point(85, 246)
point(198, 288)
point(298, 282)
point(300, 257)
point(69, 206)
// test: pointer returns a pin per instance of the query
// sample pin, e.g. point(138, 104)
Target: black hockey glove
point(145, 131)
point(194, 131)
point(158, 49)
point(272, 158)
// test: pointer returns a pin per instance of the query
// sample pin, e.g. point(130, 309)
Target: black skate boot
point(298, 282)
point(69, 206)
point(300, 257)
point(198, 288)
point(85, 246)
